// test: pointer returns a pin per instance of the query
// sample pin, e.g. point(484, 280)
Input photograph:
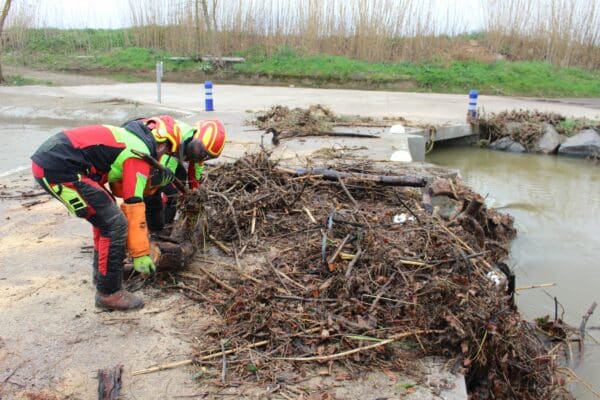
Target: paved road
point(424, 107)
point(64, 106)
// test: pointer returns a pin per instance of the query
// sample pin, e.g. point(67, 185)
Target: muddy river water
point(556, 205)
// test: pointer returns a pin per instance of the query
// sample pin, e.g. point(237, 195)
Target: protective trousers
point(161, 208)
point(85, 198)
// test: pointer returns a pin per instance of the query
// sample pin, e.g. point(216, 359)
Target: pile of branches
point(523, 126)
point(315, 120)
point(345, 267)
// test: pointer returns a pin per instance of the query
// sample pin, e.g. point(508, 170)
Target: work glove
point(144, 265)
point(160, 178)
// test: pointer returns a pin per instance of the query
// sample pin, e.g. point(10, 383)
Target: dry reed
point(563, 32)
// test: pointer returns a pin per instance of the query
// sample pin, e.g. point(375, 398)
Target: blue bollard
point(208, 96)
point(472, 112)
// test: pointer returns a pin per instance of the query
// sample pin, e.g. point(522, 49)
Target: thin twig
point(388, 299)
point(277, 296)
point(343, 354)
point(220, 244)
point(215, 280)
point(183, 363)
point(589, 387)
point(307, 211)
point(192, 360)
point(584, 321)
point(541, 285)
point(253, 225)
point(224, 368)
point(381, 292)
point(347, 192)
point(283, 275)
point(407, 207)
point(353, 262)
point(232, 209)
point(339, 248)
point(465, 245)
point(239, 268)
point(191, 289)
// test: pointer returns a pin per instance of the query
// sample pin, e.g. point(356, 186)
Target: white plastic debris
point(401, 156)
point(402, 218)
point(492, 276)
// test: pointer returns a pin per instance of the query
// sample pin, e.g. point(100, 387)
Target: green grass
point(89, 50)
point(501, 78)
point(64, 41)
point(140, 59)
point(17, 80)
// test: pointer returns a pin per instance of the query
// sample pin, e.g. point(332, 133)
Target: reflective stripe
point(103, 251)
point(199, 169)
point(70, 197)
point(140, 185)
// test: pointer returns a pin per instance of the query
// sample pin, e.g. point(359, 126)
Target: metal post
point(208, 99)
point(472, 111)
point(159, 75)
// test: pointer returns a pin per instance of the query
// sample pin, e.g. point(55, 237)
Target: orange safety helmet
point(164, 128)
point(208, 141)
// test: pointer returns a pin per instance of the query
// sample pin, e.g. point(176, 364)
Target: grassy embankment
point(110, 52)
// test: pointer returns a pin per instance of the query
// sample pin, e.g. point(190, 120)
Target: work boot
point(120, 300)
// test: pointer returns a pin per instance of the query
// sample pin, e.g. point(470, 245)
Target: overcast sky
point(116, 14)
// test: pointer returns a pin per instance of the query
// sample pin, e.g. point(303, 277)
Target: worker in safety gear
point(74, 166)
point(187, 144)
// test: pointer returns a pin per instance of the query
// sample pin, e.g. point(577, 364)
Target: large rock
point(446, 206)
point(507, 144)
point(585, 144)
point(549, 142)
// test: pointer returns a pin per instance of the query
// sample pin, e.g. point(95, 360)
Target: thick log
point(475, 205)
point(169, 255)
point(109, 383)
point(333, 175)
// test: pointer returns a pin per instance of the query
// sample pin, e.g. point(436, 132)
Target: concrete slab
point(448, 132)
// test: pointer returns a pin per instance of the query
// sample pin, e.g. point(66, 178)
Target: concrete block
point(452, 132)
point(416, 146)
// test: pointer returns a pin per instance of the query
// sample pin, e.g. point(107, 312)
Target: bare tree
point(198, 40)
point(211, 25)
point(2, 19)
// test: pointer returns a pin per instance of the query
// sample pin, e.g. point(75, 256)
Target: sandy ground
point(52, 338)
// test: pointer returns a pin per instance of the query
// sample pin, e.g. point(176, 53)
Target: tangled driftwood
point(344, 268)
